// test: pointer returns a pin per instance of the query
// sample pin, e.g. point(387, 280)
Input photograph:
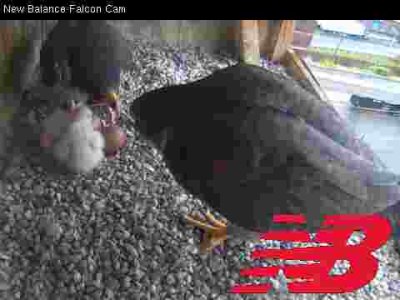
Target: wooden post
point(263, 32)
point(6, 39)
point(20, 43)
point(249, 42)
point(299, 70)
point(278, 39)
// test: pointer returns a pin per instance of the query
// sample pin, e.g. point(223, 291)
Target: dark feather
point(277, 148)
point(94, 50)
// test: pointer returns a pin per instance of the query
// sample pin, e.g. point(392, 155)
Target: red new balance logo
point(315, 277)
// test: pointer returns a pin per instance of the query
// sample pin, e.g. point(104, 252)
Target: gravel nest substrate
point(118, 233)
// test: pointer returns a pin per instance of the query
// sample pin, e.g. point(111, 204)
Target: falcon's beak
point(112, 97)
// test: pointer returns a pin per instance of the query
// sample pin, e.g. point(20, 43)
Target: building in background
point(383, 31)
point(349, 28)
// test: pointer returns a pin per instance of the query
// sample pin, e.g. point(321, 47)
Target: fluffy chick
point(73, 140)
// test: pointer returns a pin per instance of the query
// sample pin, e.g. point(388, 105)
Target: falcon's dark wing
point(252, 145)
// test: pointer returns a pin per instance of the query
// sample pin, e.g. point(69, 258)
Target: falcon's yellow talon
point(199, 223)
point(213, 220)
point(215, 231)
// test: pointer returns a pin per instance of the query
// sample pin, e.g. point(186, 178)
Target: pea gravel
point(118, 233)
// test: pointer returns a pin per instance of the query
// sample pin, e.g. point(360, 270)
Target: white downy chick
point(73, 139)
